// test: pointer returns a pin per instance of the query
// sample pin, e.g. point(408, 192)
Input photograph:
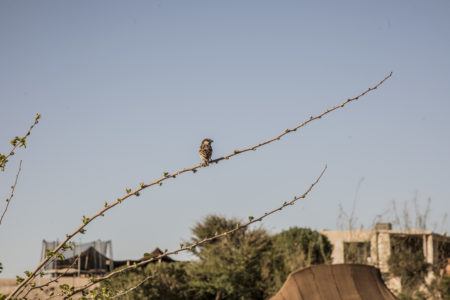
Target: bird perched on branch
point(205, 151)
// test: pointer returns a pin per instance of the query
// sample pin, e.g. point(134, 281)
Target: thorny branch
point(167, 175)
point(13, 187)
point(17, 142)
point(182, 248)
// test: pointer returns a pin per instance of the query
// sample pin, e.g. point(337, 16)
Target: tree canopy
point(248, 264)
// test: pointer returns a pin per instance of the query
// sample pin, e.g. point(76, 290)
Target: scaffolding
point(84, 259)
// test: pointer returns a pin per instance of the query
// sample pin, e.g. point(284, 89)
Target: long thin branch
point(182, 248)
point(167, 175)
point(17, 142)
point(132, 288)
point(13, 187)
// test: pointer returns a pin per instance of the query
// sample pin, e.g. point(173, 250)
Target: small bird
point(205, 151)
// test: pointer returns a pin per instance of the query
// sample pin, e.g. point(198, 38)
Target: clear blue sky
point(128, 89)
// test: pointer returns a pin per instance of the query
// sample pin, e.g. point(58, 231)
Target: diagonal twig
point(52, 280)
point(17, 142)
point(13, 187)
point(251, 220)
point(136, 192)
point(132, 288)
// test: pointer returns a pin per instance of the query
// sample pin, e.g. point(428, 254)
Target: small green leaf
point(166, 174)
point(19, 279)
point(49, 253)
point(106, 204)
point(250, 218)
point(23, 142)
point(160, 183)
point(14, 141)
point(127, 191)
point(85, 220)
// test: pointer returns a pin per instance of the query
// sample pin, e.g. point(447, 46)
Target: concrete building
point(374, 247)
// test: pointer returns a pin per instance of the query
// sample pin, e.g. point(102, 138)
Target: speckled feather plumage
point(205, 151)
